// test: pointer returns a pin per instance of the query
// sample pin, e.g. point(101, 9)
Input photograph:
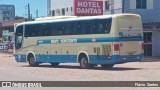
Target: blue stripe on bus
point(94, 59)
point(89, 40)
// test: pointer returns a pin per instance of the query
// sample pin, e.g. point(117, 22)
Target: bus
point(90, 41)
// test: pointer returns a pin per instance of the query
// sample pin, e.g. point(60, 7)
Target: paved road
point(137, 71)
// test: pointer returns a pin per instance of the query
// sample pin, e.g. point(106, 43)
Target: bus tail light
point(142, 47)
point(116, 49)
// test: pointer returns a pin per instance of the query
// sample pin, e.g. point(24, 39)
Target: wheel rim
point(84, 62)
point(32, 60)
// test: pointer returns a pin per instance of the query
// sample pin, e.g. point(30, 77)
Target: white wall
point(59, 4)
point(115, 8)
point(156, 43)
point(117, 4)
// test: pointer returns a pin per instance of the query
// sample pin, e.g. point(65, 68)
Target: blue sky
point(21, 9)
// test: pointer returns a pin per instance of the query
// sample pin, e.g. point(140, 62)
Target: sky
point(21, 7)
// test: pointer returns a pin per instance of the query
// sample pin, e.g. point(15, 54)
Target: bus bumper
point(115, 59)
point(20, 58)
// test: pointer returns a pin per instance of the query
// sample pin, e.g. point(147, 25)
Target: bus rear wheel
point(84, 62)
point(54, 64)
point(107, 66)
point(32, 62)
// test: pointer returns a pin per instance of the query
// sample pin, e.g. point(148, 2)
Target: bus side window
point(75, 31)
point(55, 29)
point(105, 27)
point(79, 28)
point(83, 29)
point(68, 28)
point(86, 27)
point(102, 27)
point(61, 29)
point(95, 27)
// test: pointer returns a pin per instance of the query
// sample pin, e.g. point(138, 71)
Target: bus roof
point(54, 18)
point(70, 18)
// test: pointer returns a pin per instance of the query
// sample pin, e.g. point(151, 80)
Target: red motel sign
point(88, 7)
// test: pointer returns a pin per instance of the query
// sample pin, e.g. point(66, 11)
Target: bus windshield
point(19, 37)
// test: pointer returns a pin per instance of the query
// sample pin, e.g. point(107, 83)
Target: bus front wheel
point(84, 62)
point(107, 66)
point(32, 62)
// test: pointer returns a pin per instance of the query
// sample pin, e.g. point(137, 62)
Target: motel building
point(148, 9)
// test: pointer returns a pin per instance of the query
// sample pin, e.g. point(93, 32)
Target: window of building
point(67, 9)
point(5, 12)
point(71, 8)
point(63, 11)
point(106, 5)
point(11, 13)
point(4, 8)
point(5, 18)
point(141, 4)
point(53, 12)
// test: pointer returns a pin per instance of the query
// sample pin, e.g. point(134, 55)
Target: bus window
point(78, 28)
point(57, 29)
point(104, 27)
point(30, 30)
point(95, 27)
point(86, 27)
point(38, 30)
point(45, 28)
point(19, 37)
point(70, 28)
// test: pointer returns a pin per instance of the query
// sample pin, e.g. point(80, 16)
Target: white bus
point(93, 40)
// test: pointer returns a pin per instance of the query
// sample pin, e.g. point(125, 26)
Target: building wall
point(58, 5)
point(7, 12)
point(151, 14)
point(115, 7)
point(156, 43)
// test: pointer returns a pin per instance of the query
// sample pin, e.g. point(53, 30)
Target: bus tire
point(55, 64)
point(107, 66)
point(84, 62)
point(32, 62)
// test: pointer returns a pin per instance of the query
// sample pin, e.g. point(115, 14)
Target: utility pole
point(37, 13)
point(31, 17)
point(29, 13)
